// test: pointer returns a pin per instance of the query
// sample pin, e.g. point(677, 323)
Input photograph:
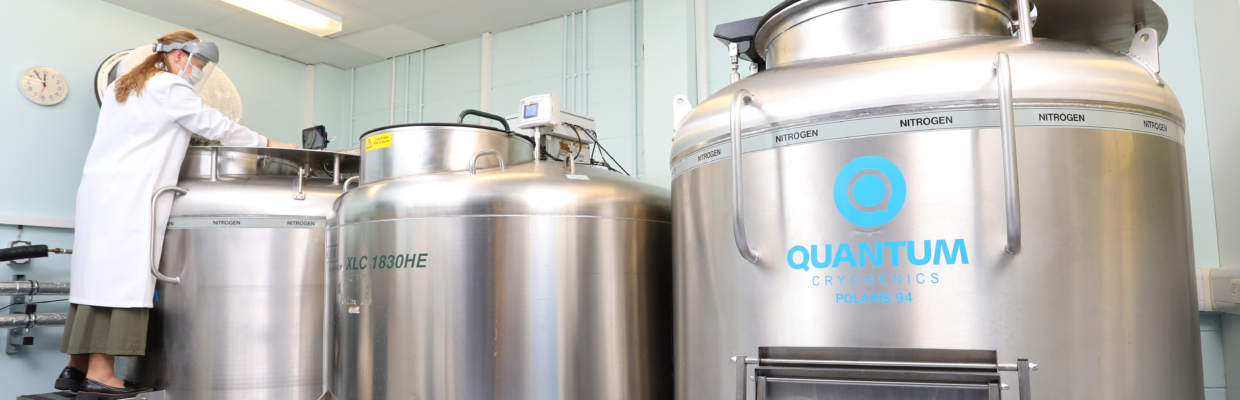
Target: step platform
point(160, 395)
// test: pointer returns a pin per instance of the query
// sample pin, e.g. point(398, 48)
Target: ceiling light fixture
point(296, 13)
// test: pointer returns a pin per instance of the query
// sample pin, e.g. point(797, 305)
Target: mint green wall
point(45, 147)
point(668, 70)
point(331, 105)
point(525, 61)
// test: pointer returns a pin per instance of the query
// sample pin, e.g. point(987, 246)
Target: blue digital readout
point(531, 111)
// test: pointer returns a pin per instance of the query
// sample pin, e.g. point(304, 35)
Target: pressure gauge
point(43, 86)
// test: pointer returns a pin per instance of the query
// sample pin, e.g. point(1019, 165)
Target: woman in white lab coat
point(144, 129)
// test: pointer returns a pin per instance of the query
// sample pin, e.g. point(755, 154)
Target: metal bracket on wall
point(18, 337)
point(19, 242)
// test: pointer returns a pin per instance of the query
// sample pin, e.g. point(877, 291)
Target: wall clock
point(43, 86)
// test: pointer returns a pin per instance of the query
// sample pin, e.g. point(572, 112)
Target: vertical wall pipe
point(585, 61)
point(639, 148)
point(392, 92)
point(564, 55)
point(422, 89)
point(699, 35)
point(408, 66)
point(572, 52)
point(352, 88)
point(484, 84)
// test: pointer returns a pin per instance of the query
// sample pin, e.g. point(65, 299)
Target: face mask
point(195, 73)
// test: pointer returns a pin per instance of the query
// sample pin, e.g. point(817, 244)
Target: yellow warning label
point(380, 141)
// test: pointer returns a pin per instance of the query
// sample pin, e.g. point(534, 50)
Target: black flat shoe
point(92, 390)
point(71, 379)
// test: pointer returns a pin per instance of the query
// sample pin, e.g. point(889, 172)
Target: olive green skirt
point(105, 330)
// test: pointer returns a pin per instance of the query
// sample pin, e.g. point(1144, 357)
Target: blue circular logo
point(870, 191)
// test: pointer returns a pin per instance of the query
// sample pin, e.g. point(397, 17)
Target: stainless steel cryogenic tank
point(879, 202)
point(462, 269)
point(239, 306)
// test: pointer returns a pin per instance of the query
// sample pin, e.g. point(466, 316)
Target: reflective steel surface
point(521, 283)
point(246, 321)
point(869, 178)
point(417, 149)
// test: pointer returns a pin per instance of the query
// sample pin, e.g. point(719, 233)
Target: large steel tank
point(239, 306)
point(916, 176)
point(454, 275)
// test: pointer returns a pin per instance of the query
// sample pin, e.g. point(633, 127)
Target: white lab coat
point(138, 148)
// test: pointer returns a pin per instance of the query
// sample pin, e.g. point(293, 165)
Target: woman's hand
point(272, 143)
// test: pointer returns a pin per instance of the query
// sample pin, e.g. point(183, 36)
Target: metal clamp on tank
point(878, 373)
point(154, 221)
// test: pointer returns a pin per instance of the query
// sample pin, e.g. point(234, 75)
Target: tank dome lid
point(521, 190)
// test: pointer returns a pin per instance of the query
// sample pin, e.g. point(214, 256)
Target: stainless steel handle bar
point(301, 184)
point(473, 162)
point(1026, 22)
point(1011, 180)
point(154, 220)
point(345, 188)
point(739, 99)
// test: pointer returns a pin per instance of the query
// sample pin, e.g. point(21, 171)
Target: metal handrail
point(1011, 179)
point(473, 161)
point(739, 99)
point(154, 220)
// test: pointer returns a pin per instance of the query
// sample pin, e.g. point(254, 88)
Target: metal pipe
point(741, 372)
point(585, 61)
point(32, 288)
point(1011, 179)
point(893, 364)
point(572, 53)
point(32, 320)
point(336, 171)
point(741, 97)
point(1026, 24)
point(352, 89)
point(408, 67)
point(422, 88)
point(392, 92)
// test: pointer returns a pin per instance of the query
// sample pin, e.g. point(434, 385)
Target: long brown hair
point(135, 80)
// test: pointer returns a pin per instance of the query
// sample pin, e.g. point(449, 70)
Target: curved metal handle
point(1011, 180)
point(739, 99)
point(154, 204)
point(473, 161)
point(345, 187)
point(461, 118)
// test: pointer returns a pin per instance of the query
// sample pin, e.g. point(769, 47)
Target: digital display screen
point(531, 111)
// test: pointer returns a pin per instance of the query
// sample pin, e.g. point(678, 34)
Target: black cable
point(613, 158)
point(37, 302)
point(548, 155)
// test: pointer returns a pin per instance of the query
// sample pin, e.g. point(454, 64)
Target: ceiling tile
point(356, 19)
point(520, 13)
point(401, 10)
point(389, 41)
point(191, 14)
point(457, 24)
point(262, 33)
point(333, 52)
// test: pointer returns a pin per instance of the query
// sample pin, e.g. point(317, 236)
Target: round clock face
point(43, 86)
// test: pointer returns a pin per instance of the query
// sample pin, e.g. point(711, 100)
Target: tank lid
point(264, 161)
point(1109, 24)
point(433, 124)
